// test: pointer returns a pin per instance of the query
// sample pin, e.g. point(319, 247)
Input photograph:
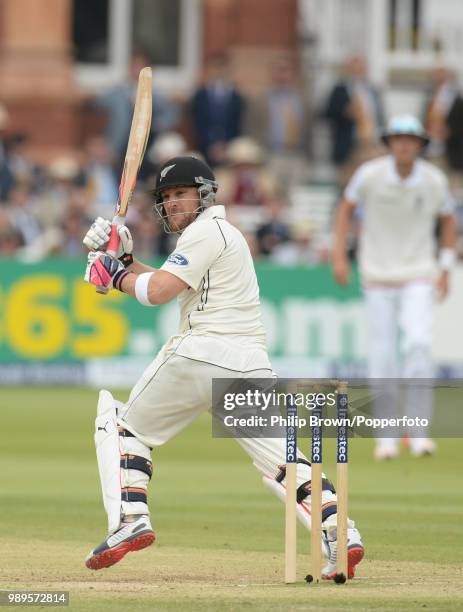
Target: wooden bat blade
point(138, 138)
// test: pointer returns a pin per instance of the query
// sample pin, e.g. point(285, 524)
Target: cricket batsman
point(221, 335)
point(400, 200)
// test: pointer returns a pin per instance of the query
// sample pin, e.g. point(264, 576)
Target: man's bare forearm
point(138, 267)
point(448, 232)
point(342, 225)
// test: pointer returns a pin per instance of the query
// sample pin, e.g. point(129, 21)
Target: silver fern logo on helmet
point(165, 170)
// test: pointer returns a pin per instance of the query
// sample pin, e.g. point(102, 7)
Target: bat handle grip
point(113, 245)
point(114, 240)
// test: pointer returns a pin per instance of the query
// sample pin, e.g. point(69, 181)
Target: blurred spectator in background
point(274, 230)
point(23, 168)
point(63, 178)
point(444, 122)
point(278, 120)
point(355, 112)
point(167, 146)
point(119, 101)
point(245, 180)
point(299, 250)
point(6, 173)
point(20, 213)
point(217, 109)
point(10, 238)
point(253, 244)
point(100, 177)
point(73, 228)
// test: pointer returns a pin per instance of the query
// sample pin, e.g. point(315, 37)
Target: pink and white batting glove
point(97, 238)
point(103, 270)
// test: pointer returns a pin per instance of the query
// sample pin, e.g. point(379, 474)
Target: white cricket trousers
point(174, 390)
point(400, 338)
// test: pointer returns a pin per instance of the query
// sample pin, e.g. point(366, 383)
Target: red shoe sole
point(113, 555)
point(354, 556)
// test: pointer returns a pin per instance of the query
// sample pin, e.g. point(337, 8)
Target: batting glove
point(103, 270)
point(97, 238)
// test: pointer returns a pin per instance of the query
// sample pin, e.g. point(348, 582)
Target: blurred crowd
point(260, 149)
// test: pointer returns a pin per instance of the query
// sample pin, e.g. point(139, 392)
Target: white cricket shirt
point(398, 217)
point(222, 300)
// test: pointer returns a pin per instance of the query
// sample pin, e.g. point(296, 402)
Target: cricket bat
point(136, 146)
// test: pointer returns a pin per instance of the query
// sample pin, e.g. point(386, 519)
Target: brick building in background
point(54, 54)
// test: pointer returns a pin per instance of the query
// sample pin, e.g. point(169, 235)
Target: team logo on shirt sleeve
point(178, 259)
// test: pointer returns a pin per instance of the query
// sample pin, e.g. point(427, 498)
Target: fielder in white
point(211, 272)
point(401, 199)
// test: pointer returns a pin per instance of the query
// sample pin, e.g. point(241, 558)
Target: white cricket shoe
point(355, 553)
point(129, 537)
point(422, 447)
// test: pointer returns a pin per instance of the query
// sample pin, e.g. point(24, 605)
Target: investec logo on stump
point(317, 433)
point(316, 446)
point(291, 439)
point(342, 446)
point(342, 428)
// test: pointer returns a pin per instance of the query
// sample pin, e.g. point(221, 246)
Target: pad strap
point(305, 489)
point(329, 509)
point(132, 462)
point(124, 433)
point(132, 494)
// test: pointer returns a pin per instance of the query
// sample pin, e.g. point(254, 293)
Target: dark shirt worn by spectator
point(217, 111)
point(343, 125)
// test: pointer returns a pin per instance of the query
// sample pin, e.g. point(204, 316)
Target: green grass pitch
point(220, 533)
